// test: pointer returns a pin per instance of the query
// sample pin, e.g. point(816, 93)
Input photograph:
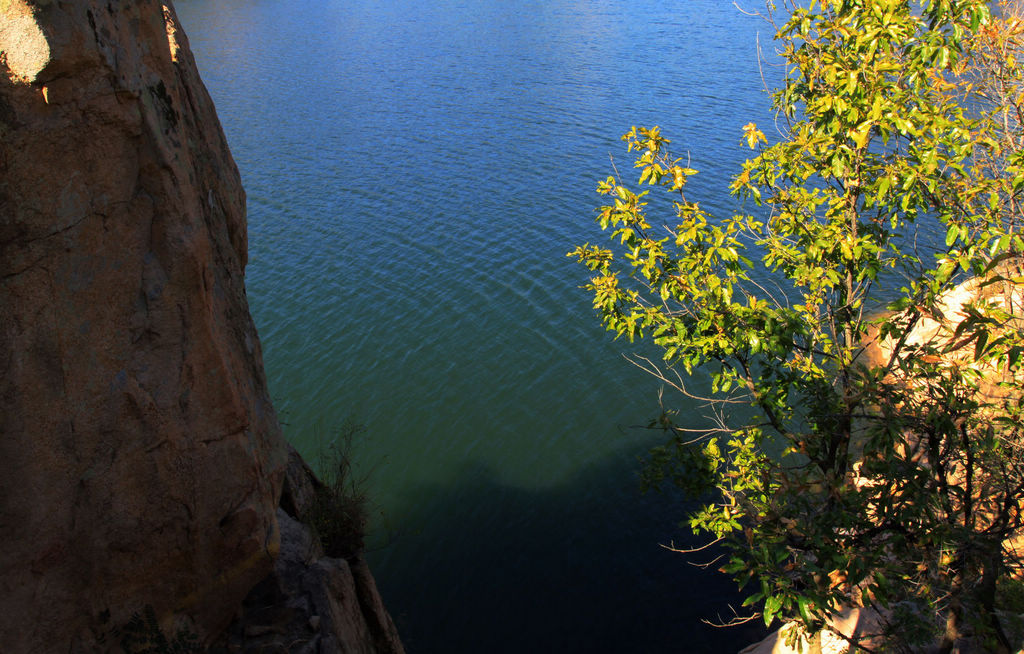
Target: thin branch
point(734, 621)
point(672, 547)
point(652, 369)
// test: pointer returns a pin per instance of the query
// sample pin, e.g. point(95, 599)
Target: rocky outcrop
point(856, 623)
point(932, 336)
point(999, 289)
point(141, 462)
point(312, 603)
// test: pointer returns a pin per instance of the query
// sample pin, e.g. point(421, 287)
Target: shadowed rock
point(140, 458)
point(141, 461)
point(312, 603)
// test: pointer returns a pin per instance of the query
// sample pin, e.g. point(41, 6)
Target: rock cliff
point(141, 461)
point(312, 603)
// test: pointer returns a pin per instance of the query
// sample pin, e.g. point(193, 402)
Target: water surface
point(416, 172)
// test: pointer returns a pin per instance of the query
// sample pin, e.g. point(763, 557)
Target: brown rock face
point(140, 458)
point(312, 603)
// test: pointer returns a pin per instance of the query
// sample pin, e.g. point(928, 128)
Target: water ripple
point(415, 174)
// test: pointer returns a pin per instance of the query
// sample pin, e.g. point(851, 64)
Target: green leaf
point(979, 345)
point(951, 235)
point(772, 605)
point(804, 604)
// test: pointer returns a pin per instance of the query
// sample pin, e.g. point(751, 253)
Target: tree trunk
point(987, 602)
point(952, 630)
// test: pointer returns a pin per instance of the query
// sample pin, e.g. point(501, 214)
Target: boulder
point(852, 623)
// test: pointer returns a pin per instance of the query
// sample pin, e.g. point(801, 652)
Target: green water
point(416, 173)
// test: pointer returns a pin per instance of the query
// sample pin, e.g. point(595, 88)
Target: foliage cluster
point(881, 467)
point(338, 513)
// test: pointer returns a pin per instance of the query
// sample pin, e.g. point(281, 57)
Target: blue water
point(416, 172)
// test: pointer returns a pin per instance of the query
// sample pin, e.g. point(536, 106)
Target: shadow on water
point(488, 567)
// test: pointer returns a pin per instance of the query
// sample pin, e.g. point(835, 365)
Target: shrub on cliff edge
point(338, 513)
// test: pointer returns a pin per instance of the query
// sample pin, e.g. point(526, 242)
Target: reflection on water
point(416, 173)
